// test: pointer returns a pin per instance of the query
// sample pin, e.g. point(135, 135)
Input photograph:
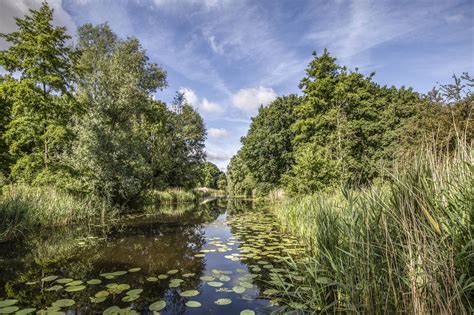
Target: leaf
point(193, 304)
point(223, 301)
point(157, 306)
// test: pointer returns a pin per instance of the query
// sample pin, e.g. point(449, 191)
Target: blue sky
point(228, 57)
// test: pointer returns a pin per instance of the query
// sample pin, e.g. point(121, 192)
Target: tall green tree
point(40, 66)
point(115, 83)
point(267, 148)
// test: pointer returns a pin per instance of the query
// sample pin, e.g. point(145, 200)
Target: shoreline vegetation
point(401, 246)
point(83, 136)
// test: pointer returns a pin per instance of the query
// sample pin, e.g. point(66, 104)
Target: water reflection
point(170, 248)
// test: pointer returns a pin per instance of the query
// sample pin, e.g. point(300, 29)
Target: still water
point(215, 258)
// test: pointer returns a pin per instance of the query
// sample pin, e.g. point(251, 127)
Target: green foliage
point(108, 136)
point(400, 246)
point(39, 106)
point(345, 131)
point(24, 208)
point(211, 175)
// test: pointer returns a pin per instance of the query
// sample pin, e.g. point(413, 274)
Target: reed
point(24, 208)
point(403, 246)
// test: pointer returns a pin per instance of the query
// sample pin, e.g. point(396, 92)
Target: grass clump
point(170, 196)
point(24, 208)
point(405, 246)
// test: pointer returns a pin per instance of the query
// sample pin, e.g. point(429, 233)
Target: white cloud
point(205, 3)
point(19, 8)
point(250, 99)
point(217, 132)
point(211, 107)
point(218, 49)
point(205, 105)
point(217, 156)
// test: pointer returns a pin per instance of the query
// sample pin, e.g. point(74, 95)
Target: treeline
point(82, 117)
point(345, 130)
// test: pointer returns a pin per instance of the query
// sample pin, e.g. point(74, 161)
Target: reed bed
point(403, 246)
point(24, 208)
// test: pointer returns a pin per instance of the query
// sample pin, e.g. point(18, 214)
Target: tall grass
point(170, 196)
point(405, 246)
point(24, 208)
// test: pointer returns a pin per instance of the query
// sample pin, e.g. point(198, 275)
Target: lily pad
point(172, 272)
point(247, 312)
point(119, 273)
point(73, 283)
point(9, 309)
point(49, 278)
point(193, 304)
point(130, 298)
point(6, 303)
point(64, 280)
point(94, 281)
point(102, 294)
point(215, 284)
point(238, 289)
point(162, 277)
point(223, 301)
point(137, 269)
point(134, 292)
point(157, 306)
point(113, 310)
point(56, 287)
point(64, 303)
point(207, 278)
point(74, 288)
point(189, 293)
point(152, 279)
point(123, 287)
point(25, 311)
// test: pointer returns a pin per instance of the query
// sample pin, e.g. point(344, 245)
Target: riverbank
point(24, 209)
point(402, 246)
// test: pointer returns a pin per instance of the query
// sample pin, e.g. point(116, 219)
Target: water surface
point(220, 252)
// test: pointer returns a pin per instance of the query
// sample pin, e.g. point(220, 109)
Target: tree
point(40, 107)
point(114, 87)
point(210, 175)
point(267, 148)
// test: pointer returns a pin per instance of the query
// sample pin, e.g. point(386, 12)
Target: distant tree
point(210, 175)
point(39, 108)
point(239, 178)
point(222, 181)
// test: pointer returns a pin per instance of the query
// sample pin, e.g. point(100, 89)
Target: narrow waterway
point(215, 258)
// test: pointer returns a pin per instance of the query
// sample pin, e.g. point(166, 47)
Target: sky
point(229, 57)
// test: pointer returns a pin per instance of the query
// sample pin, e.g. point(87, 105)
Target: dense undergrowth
point(404, 246)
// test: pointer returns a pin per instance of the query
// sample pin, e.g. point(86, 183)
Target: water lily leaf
point(119, 273)
point(64, 280)
point(112, 285)
point(97, 300)
point(137, 269)
point(157, 306)
point(54, 288)
point(123, 287)
point(240, 270)
point(224, 278)
point(193, 304)
point(172, 272)
point(152, 279)
point(94, 281)
point(247, 312)
point(9, 309)
point(187, 275)
point(73, 283)
point(134, 292)
point(174, 284)
point(102, 294)
point(215, 284)
point(238, 289)
point(270, 292)
point(246, 285)
point(49, 278)
point(113, 310)
point(207, 278)
point(130, 298)
point(223, 301)
point(162, 277)
point(63, 303)
point(74, 288)
point(189, 293)
point(25, 311)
